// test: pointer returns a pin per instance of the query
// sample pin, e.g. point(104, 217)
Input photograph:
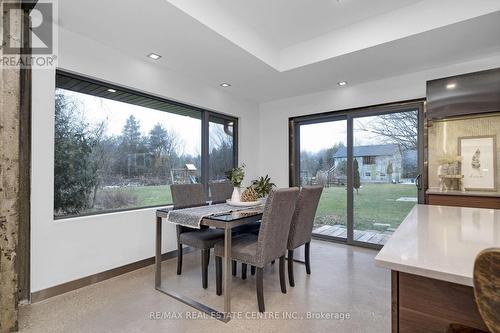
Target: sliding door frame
point(350, 115)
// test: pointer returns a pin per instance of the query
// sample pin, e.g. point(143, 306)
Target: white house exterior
point(373, 161)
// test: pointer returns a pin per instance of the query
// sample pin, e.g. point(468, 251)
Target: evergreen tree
point(389, 171)
point(131, 146)
point(75, 170)
point(163, 145)
point(356, 181)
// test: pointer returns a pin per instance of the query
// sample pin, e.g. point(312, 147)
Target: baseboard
point(98, 277)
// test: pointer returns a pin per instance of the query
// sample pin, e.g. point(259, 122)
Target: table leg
point(158, 253)
point(227, 271)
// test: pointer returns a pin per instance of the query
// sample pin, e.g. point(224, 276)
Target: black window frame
point(205, 116)
point(370, 160)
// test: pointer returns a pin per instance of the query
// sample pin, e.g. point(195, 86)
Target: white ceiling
point(211, 43)
point(288, 22)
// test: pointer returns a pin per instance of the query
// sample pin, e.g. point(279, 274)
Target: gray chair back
point(275, 225)
point(187, 195)
point(303, 217)
point(220, 192)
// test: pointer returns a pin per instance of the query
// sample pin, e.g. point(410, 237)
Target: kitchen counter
point(431, 257)
point(441, 242)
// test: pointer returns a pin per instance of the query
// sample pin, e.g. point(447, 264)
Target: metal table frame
point(213, 221)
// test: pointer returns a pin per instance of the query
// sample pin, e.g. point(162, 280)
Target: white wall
point(65, 250)
point(274, 115)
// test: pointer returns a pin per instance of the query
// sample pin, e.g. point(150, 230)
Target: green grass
point(374, 203)
point(151, 195)
point(132, 197)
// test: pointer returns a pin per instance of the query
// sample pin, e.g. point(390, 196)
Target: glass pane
point(111, 155)
point(220, 146)
point(322, 146)
point(385, 166)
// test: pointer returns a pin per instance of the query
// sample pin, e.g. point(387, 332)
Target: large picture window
point(117, 149)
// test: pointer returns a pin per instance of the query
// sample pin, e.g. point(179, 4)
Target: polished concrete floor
point(345, 292)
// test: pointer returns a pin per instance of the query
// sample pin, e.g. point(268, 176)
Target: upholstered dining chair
point(269, 245)
point(191, 195)
point(487, 287)
point(302, 226)
point(486, 277)
point(220, 192)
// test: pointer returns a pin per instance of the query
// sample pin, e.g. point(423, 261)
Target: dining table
point(226, 221)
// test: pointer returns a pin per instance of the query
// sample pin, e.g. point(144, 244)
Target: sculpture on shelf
point(450, 177)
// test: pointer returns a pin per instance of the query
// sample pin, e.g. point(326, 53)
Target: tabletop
point(248, 213)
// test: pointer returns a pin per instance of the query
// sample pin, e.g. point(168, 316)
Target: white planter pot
point(236, 196)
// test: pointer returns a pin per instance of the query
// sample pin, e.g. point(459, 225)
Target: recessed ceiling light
point(342, 83)
point(154, 56)
point(450, 86)
point(111, 90)
point(225, 85)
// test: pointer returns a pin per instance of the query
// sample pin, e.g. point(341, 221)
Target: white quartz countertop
point(441, 242)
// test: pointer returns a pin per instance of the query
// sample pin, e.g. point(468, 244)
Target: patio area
point(369, 236)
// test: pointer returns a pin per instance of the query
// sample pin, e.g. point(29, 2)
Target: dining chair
point(220, 192)
point(269, 245)
point(302, 226)
point(486, 278)
point(487, 287)
point(191, 195)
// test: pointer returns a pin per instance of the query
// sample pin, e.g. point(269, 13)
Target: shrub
point(116, 198)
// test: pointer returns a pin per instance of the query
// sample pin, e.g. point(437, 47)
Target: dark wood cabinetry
point(427, 305)
point(464, 201)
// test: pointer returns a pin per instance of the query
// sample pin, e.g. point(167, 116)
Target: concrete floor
point(344, 280)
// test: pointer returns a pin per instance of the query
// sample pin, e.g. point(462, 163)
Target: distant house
point(373, 162)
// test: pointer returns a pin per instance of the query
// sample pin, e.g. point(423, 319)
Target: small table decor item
point(243, 203)
point(248, 198)
point(263, 186)
point(235, 176)
point(479, 162)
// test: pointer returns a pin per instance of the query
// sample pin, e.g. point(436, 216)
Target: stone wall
point(9, 184)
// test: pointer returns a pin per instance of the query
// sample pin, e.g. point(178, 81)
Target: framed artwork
point(478, 162)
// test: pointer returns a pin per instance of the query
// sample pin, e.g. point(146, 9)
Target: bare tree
point(400, 128)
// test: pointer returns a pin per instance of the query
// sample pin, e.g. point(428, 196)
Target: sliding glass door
point(319, 141)
point(385, 167)
point(368, 161)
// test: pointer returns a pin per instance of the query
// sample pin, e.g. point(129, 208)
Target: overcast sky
point(315, 137)
point(98, 109)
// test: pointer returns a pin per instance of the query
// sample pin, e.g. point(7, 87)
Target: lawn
point(374, 203)
point(132, 196)
point(151, 195)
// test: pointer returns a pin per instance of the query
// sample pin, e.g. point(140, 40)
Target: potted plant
point(263, 186)
point(235, 176)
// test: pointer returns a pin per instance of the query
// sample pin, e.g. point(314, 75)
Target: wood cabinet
point(425, 305)
point(464, 201)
